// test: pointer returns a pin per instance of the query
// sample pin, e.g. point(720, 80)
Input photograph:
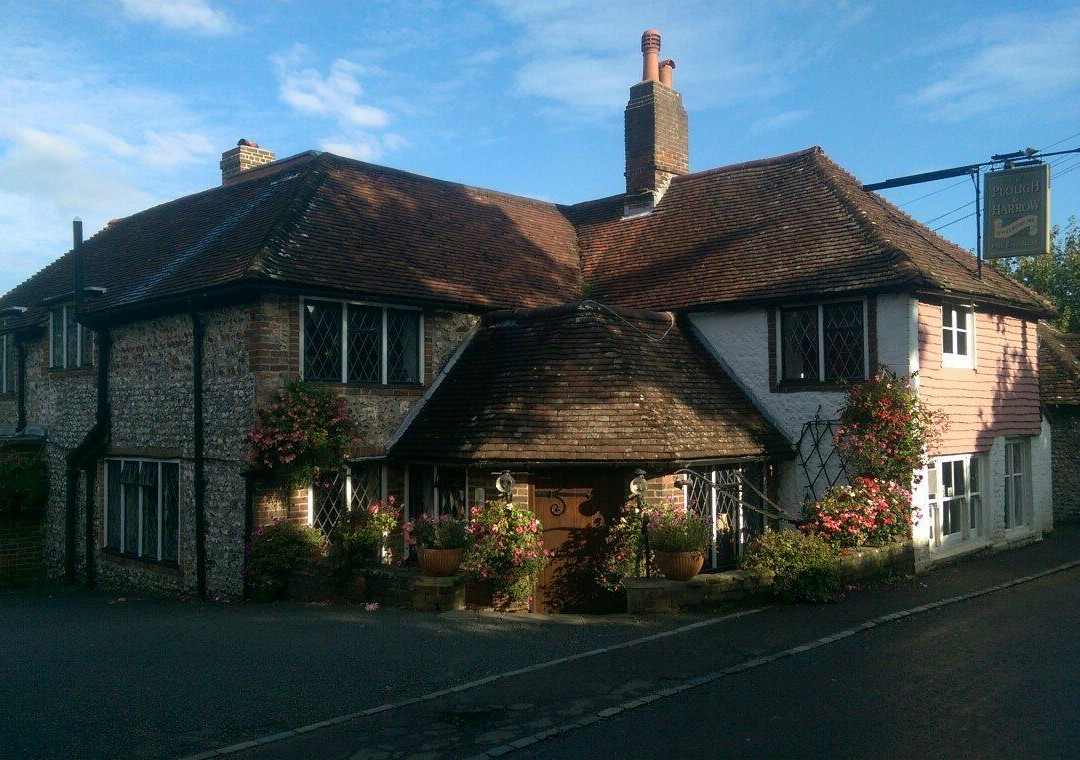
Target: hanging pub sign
point(1017, 212)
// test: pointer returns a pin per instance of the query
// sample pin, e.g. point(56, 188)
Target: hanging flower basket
point(680, 566)
point(440, 563)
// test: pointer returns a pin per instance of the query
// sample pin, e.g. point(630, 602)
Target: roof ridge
point(288, 219)
point(783, 158)
point(381, 169)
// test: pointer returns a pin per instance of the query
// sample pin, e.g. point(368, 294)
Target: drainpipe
point(198, 333)
point(102, 428)
point(72, 458)
point(20, 384)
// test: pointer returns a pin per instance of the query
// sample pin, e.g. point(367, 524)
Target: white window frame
point(952, 358)
point(65, 362)
point(820, 307)
point(972, 517)
point(345, 337)
point(1017, 516)
point(157, 557)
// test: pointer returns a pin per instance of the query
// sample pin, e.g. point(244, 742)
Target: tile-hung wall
point(991, 481)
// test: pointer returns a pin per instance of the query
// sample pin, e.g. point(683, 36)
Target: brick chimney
point(246, 155)
point(657, 137)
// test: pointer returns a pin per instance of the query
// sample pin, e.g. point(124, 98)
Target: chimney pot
point(650, 53)
point(667, 67)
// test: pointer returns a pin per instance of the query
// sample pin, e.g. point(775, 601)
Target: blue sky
point(110, 107)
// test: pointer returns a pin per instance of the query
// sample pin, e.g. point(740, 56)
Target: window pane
point(947, 318)
point(10, 364)
point(322, 340)
point(799, 337)
point(973, 475)
point(365, 344)
point(451, 482)
point(112, 504)
point(329, 504)
point(129, 477)
point(843, 340)
point(959, 481)
point(951, 516)
point(170, 511)
point(86, 335)
point(366, 484)
point(421, 491)
point(961, 343)
point(975, 507)
point(148, 477)
point(946, 479)
point(402, 346)
point(947, 340)
point(932, 480)
point(72, 337)
point(56, 321)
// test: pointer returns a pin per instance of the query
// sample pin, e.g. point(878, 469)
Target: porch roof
point(587, 383)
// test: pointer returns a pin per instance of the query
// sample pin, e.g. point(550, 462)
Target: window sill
point(955, 362)
point(130, 560)
point(789, 386)
point(367, 389)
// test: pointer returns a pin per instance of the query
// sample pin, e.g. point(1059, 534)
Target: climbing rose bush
point(885, 431)
point(302, 437)
point(622, 548)
point(868, 512)
point(506, 549)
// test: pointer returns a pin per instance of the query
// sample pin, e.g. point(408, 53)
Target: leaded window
point(402, 346)
point(351, 489)
point(825, 342)
point(8, 364)
point(142, 505)
point(70, 343)
point(363, 344)
point(322, 340)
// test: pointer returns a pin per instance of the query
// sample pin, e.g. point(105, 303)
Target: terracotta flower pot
point(680, 566)
point(439, 563)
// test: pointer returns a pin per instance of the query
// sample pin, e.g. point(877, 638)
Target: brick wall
point(1065, 462)
point(657, 137)
point(20, 550)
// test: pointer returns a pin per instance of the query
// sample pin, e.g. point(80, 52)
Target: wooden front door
point(575, 509)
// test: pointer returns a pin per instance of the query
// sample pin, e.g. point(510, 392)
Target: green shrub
point(506, 550)
point(276, 550)
point(804, 566)
point(24, 484)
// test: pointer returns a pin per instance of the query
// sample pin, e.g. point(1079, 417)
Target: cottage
point(1059, 386)
point(705, 320)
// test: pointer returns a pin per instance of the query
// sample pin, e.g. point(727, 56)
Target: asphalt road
point(994, 677)
point(91, 675)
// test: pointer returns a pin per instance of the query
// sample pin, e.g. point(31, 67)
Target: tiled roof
point(330, 222)
point(585, 382)
point(1059, 366)
point(783, 227)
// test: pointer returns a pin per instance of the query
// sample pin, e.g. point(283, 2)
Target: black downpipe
point(103, 425)
point(198, 332)
point(72, 459)
point(20, 385)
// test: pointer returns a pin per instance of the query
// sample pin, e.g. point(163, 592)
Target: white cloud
point(994, 65)
point(182, 15)
point(63, 155)
point(336, 95)
point(779, 121)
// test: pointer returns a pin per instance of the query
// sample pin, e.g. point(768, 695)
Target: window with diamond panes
point(329, 503)
point(56, 338)
point(322, 340)
point(799, 335)
point(843, 332)
point(365, 344)
point(402, 346)
point(365, 484)
point(8, 364)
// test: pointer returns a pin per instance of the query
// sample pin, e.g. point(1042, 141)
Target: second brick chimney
point(657, 133)
point(246, 155)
